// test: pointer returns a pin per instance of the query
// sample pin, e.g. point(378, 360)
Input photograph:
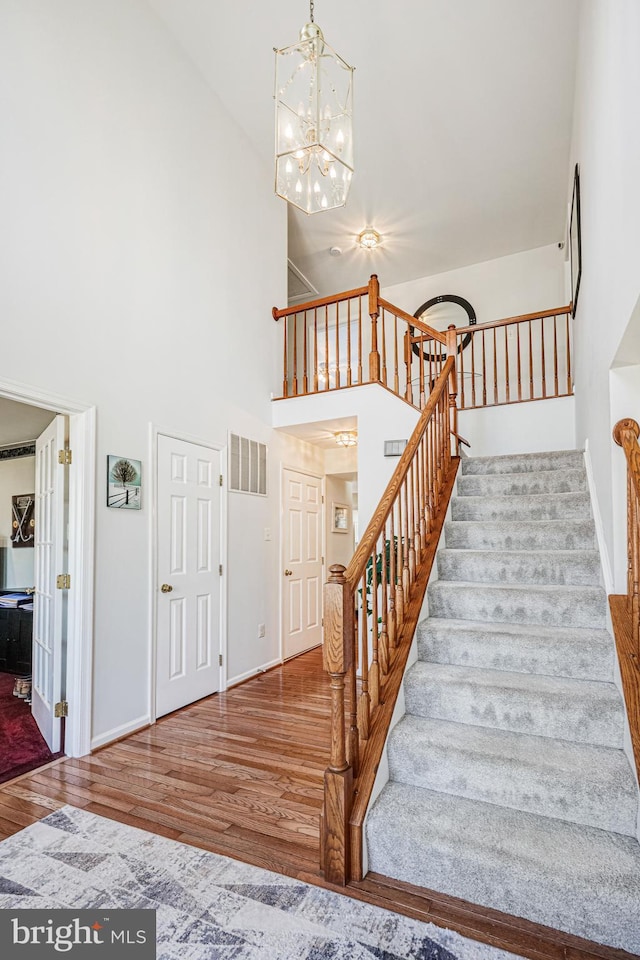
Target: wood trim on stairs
point(629, 668)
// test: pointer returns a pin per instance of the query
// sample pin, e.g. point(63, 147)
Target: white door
point(302, 572)
point(188, 590)
point(48, 564)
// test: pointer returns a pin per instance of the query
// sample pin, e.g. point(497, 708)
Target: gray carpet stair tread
point(521, 535)
point(567, 876)
point(581, 653)
point(550, 506)
point(546, 604)
point(521, 484)
point(584, 711)
point(579, 782)
point(523, 462)
point(578, 567)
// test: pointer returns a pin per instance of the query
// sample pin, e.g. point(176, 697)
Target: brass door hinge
point(65, 456)
point(220, 660)
point(63, 581)
point(61, 709)
point(220, 569)
point(221, 479)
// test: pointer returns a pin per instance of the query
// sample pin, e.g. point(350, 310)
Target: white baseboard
point(253, 673)
point(607, 574)
point(118, 732)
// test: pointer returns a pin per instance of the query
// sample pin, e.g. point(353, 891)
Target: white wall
point(339, 547)
point(130, 255)
point(535, 427)
point(606, 144)
point(507, 287)
point(16, 476)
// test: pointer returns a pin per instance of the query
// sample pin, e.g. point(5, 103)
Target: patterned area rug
point(208, 907)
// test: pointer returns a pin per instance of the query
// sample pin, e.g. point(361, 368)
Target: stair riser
point(553, 507)
point(532, 535)
point(541, 568)
point(513, 782)
point(521, 711)
point(581, 661)
point(573, 607)
point(527, 463)
point(522, 485)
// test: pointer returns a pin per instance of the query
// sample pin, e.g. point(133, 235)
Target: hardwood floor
point(240, 773)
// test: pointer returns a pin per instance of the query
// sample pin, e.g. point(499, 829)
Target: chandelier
point(314, 139)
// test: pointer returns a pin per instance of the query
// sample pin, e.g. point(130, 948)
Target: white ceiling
point(322, 432)
point(20, 422)
point(462, 122)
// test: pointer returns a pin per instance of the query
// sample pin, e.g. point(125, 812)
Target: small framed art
point(124, 483)
point(339, 518)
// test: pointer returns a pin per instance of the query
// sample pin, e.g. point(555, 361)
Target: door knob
point(288, 573)
point(166, 588)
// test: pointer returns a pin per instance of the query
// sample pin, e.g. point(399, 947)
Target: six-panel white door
point(302, 554)
point(48, 601)
point(188, 593)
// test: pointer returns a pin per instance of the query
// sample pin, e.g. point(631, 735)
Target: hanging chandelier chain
point(311, 6)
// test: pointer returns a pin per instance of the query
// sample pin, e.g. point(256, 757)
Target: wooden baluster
point(327, 365)
point(383, 337)
point(411, 526)
point(506, 351)
point(374, 670)
point(391, 620)
point(364, 700)
point(415, 507)
point(408, 360)
point(359, 339)
point(337, 345)
point(349, 378)
point(484, 370)
point(461, 385)
point(531, 394)
point(519, 362)
point(495, 367)
point(406, 573)
point(452, 351)
point(305, 372)
point(423, 396)
point(396, 374)
point(384, 610)
point(473, 369)
point(285, 379)
point(374, 312)
point(337, 654)
point(422, 521)
point(295, 354)
point(353, 742)
point(315, 350)
point(555, 356)
point(431, 361)
point(544, 365)
point(399, 570)
point(569, 386)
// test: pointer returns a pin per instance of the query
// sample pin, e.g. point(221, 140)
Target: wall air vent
point(247, 466)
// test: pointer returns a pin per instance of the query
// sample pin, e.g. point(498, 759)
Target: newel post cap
point(622, 426)
point(336, 573)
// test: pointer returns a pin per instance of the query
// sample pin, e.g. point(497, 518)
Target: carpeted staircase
point(508, 785)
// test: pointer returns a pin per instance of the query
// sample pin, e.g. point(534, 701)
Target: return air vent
point(247, 466)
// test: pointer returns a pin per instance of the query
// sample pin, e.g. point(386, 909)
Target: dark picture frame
point(575, 241)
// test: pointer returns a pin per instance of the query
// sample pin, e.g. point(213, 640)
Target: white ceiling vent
point(247, 466)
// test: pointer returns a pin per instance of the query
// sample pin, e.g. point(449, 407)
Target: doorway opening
point(47, 511)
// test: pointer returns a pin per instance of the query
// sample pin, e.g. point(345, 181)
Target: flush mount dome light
point(369, 238)
point(346, 438)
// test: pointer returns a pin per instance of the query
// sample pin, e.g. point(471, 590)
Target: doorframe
point(81, 547)
point(155, 431)
point(323, 480)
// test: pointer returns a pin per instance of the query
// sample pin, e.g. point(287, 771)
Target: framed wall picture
point(340, 518)
point(575, 241)
point(23, 521)
point(124, 483)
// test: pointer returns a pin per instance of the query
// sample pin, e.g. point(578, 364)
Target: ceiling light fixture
point(346, 438)
point(314, 137)
point(369, 239)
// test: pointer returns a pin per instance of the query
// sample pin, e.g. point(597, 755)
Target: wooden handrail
point(540, 315)
point(354, 571)
point(414, 322)
point(322, 302)
point(371, 609)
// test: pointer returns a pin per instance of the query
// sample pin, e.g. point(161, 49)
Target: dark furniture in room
point(16, 631)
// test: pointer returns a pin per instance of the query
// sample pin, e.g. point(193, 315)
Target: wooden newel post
point(626, 434)
point(452, 351)
point(374, 312)
point(338, 778)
